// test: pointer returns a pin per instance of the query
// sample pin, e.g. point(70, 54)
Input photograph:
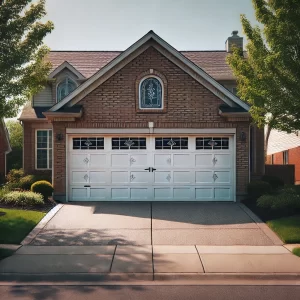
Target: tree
point(14, 158)
point(23, 68)
point(268, 77)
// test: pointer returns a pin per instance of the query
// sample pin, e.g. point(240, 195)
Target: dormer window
point(151, 93)
point(64, 88)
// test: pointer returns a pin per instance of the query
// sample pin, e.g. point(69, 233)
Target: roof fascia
point(68, 66)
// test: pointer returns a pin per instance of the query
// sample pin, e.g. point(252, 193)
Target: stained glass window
point(64, 88)
point(151, 93)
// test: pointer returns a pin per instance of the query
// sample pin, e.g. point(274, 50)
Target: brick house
point(284, 149)
point(4, 149)
point(148, 123)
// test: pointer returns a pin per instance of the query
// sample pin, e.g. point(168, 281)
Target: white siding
point(43, 98)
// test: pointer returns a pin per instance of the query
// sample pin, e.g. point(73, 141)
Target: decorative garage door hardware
point(150, 169)
point(86, 160)
point(88, 143)
point(179, 143)
point(128, 143)
point(214, 160)
point(86, 177)
point(215, 177)
point(212, 143)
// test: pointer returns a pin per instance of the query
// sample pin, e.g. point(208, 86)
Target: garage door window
point(171, 143)
point(128, 143)
point(88, 143)
point(212, 143)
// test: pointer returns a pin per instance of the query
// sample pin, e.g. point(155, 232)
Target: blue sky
point(116, 24)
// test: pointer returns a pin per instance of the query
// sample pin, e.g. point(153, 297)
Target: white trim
point(162, 93)
point(234, 167)
point(147, 130)
point(66, 65)
point(224, 94)
point(35, 149)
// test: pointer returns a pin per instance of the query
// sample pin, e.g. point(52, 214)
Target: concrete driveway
point(146, 223)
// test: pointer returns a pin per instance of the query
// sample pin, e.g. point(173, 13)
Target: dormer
point(62, 81)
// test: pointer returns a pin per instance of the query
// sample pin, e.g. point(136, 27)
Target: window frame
point(48, 149)
point(65, 79)
point(285, 157)
point(162, 94)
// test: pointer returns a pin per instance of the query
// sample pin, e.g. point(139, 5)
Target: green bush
point(274, 181)
point(3, 191)
point(27, 181)
point(43, 187)
point(14, 176)
point(286, 201)
point(23, 199)
point(256, 189)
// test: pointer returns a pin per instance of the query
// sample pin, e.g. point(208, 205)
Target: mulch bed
point(42, 208)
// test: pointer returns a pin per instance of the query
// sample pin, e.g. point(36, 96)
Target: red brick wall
point(113, 105)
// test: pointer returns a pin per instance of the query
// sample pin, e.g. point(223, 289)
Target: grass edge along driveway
point(288, 229)
point(16, 224)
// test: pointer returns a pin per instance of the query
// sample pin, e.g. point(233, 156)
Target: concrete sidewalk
point(147, 262)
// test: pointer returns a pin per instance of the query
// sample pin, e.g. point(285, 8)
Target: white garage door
point(159, 168)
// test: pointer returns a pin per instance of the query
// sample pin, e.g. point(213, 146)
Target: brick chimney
point(234, 40)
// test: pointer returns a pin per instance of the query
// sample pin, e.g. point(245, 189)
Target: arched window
point(151, 93)
point(64, 88)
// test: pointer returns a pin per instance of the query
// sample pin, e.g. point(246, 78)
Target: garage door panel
point(139, 160)
point(205, 176)
point(79, 193)
point(99, 177)
point(162, 160)
point(80, 161)
point(223, 177)
point(223, 193)
point(98, 160)
point(162, 193)
point(139, 193)
point(182, 160)
point(203, 160)
point(120, 160)
point(182, 193)
point(120, 193)
point(139, 177)
point(204, 193)
point(80, 177)
point(223, 160)
point(162, 177)
point(119, 177)
point(98, 193)
point(184, 177)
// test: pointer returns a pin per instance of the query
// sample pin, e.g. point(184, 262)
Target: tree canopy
point(23, 69)
point(268, 76)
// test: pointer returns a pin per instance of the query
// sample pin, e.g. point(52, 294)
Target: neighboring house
point(284, 149)
point(4, 149)
point(148, 123)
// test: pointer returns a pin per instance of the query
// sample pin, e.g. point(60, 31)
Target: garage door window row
point(161, 143)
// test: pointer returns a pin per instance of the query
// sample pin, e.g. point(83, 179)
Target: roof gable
point(136, 49)
point(66, 65)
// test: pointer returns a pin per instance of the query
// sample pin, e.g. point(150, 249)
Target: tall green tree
point(15, 157)
point(268, 77)
point(23, 69)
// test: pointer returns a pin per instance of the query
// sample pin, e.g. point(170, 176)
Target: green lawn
point(16, 224)
point(296, 251)
point(288, 229)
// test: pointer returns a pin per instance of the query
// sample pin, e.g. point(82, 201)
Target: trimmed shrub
point(258, 188)
point(23, 199)
point(286, 201)
point(274, 181)
point(43, 187)
point(27, 181)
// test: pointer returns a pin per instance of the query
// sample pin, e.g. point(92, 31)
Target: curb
point(263, 226)
point(38, 228)
point(147, 278)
